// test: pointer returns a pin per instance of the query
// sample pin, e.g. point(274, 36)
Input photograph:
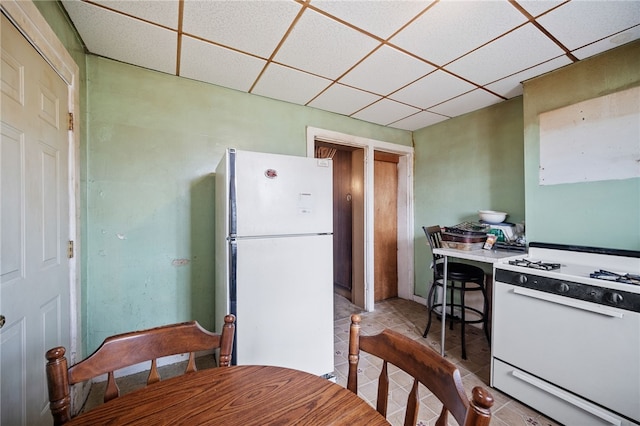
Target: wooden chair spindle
point(426, 366)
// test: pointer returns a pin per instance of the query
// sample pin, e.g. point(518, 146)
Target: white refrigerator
point(274, 258)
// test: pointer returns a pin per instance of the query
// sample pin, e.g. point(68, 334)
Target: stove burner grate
point(545, 266)
point(612, 276)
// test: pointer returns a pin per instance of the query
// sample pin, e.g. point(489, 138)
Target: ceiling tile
point(343, 99)
point(538, 7)
point(323, 46)
point(385, 112)
point(468, 102)
point(289, 85)
point(217, 65)
point(134, 42)
point(590, 20)
point(518, 50)
point(250, 26)
point(419, 121)
point(511, 86)
point(385, 71)
point(432, 89)
point(381, 18)
point(452, 28)
point(158, 11)
point(608, 43)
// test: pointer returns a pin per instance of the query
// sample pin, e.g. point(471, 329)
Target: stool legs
point(451, 288)
point(463, 322)
point(463, 308)
point(430, 301)
point(485, 324)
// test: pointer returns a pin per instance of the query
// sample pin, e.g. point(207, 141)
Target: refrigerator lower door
point(284, 288)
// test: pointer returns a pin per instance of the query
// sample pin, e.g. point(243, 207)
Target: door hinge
point(70, 249)
point(70, 121)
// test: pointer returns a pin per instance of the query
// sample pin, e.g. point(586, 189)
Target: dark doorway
point(342, 215)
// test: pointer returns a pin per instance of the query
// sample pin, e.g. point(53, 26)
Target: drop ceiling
point(402, 64)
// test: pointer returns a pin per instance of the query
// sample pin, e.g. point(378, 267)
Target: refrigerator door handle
point(233, 207)
point(233, 291)
point(233, 274)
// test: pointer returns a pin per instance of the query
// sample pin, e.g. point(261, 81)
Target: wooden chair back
point(128, 349)
point(426, 366)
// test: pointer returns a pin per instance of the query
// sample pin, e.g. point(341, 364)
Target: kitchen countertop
point(482, 255)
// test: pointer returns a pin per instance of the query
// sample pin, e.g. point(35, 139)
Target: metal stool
point(462, 278)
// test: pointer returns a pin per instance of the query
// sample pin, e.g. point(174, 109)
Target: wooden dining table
point(237, 395)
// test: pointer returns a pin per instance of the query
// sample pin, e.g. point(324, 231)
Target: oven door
point(585, 348)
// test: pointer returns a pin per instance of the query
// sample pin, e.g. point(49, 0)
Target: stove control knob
point(613, 298)
point(522, 279)
point(563, 287)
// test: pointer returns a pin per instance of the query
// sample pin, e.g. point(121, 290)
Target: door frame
point(405, 205)
point(35, 29)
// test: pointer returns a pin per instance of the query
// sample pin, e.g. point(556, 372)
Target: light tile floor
point(409, 318)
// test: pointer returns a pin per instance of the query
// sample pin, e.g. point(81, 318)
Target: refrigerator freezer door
point(282, 194)
point(285, 302)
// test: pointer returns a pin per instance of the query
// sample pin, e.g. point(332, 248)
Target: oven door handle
point(566, 301)
point(565, 396)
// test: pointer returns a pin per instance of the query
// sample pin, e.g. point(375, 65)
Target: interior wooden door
point(385, 218)
point(342, 223)
point(342, 158)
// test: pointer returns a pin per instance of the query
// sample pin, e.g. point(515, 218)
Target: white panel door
point(34, 276)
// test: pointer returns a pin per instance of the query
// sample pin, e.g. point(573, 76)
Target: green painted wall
point(465, 164)
point(601, 214)
point(57, 18)
point(154, 141)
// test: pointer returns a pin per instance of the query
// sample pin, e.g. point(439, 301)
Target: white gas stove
point(566, 333)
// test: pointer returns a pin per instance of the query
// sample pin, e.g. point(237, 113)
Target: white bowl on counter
point(492, 216)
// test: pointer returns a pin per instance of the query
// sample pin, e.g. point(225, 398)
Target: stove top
point(606, 268)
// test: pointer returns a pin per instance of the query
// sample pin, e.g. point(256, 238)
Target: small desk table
point(237, 395)
point(485, 256)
